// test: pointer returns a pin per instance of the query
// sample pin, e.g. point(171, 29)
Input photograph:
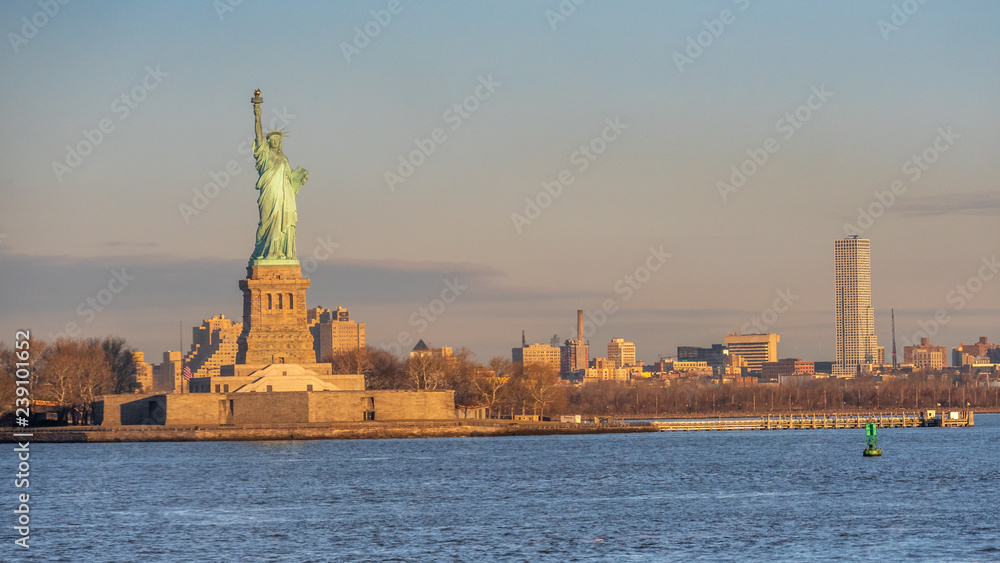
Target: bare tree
point(460, 372)
point(425, 372)
point(356, 360)
point(8, 374)
point(542, 384)
point(386, 370)
point(95, 377)
point(382, 369)
point(73, 374)
point(490, 382)
point(121, 359)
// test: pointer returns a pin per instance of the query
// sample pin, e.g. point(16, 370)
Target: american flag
point(186, 373)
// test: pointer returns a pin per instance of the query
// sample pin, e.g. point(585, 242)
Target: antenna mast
point(893, 311)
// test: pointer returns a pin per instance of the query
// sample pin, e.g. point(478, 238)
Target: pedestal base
point(274, 317)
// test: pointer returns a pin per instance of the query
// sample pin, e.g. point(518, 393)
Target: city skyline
point(705, 175)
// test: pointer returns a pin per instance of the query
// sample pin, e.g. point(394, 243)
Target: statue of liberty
point(278, 185)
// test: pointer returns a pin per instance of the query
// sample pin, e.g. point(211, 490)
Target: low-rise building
point(787, 366)
point(979, 352)
point(592, 375)
point(688, 368)
point(733, 365)
point(421, 349)
point(714, 356)
point(167, 375)
point(143, 373)
point(334, 332)
point(213, 345)
point(925, 356)
point(621, 353)
point(756, 349)
point(541, 354)
point(574, 356)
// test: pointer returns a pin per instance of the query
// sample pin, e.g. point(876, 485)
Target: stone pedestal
point(274, 317)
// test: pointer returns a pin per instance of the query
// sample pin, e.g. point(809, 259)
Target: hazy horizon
point(731, 165)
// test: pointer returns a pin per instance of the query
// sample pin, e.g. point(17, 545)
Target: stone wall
point(347, 406)
point(269, 408)
point(191, 409)
point(116, 410)
point(414, 405)
point(337, 406)
point(345, 381)
point(195, 409)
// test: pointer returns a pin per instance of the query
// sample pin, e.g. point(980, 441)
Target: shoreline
point(345, 431)
point(467, 428)
point(792, 412)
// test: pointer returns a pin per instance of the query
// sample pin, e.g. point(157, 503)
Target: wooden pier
point(811, 421)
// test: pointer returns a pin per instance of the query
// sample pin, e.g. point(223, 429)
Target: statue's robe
point(276, 230)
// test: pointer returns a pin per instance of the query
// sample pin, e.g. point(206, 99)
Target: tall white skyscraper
point(856, 342)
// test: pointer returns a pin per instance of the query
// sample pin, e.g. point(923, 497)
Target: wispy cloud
point(976, 203)
point(125, 243)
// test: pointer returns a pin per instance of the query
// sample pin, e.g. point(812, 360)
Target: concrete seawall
point(423, 429)
point(459, 428)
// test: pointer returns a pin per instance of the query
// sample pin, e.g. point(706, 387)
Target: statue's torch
point(256, 99)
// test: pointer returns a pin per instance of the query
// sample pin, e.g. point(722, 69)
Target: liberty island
point(277, 377)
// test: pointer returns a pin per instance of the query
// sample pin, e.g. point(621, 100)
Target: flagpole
point(180, 337)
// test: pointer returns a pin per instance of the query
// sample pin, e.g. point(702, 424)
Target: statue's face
point(274, 141)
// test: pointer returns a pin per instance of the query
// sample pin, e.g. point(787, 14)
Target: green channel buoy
point(871, 448)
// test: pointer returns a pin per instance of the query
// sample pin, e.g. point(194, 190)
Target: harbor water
point(715, 496)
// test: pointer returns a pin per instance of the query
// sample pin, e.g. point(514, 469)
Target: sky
point(679, 170)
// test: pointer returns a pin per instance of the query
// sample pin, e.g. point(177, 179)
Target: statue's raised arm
point(256, 101)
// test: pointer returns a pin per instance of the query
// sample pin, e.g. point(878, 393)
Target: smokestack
point(524, 343)
point(579, 325)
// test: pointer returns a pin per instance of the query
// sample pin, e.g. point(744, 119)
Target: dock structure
point(812, 421)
